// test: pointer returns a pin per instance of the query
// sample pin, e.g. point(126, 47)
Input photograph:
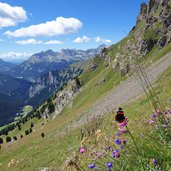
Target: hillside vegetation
point(65, 137)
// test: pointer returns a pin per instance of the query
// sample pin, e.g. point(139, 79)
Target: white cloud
point(102, 40)
point(51, 42)
point(60, 26)
point(11, 15)
point(86, 39)
point(35, 42)
point(14, 55)
point(83, 39)
point(29, 41)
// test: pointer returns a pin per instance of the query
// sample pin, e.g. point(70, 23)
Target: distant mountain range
point(43, 62)
point(5, 66)
point(36, 79)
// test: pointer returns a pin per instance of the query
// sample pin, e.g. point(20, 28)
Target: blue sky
point(31, 26)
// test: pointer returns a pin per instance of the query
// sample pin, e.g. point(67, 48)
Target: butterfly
point(119, 117)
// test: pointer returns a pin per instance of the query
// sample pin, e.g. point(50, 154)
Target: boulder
point(124, 69)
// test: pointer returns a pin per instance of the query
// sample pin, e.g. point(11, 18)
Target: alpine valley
point(36, 79)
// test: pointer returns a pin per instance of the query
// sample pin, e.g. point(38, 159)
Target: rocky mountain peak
point(50, 52)
point(143, 12)
point(150, 9)
point(152, 32)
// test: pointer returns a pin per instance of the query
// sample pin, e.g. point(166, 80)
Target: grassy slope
point(51, 150)
point(32, 151)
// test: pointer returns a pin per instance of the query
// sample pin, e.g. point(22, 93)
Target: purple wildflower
point(82, 150)
point(118, 133)
point(150, 121)
point(107, 148)
point(92, 166)
point(165, 113)
point(109, 165)
point(164, 126)
point(118, 142)
point(99, 154)
point(121, 125)
point(167, 121)
point(154, 116)
point(115, 153)
point(121, 146)
point(154, 161)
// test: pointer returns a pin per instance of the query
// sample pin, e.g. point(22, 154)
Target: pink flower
point(121, 125)
point(150, 121)
point(158, 111)
point(99, 154)
point(82, 150)
point(115, 154)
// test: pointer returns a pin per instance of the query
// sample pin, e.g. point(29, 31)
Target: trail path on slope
point(128, 91)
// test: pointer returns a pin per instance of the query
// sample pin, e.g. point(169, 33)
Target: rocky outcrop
point(42, 83)
point(153, 4)
point(156, 16)
point(153, 29)
point(53, 81)
point(143, 12)
point(121, 63)
point(92, 65)
point(65, 96)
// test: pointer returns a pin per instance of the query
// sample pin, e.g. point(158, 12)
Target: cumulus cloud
point(52, 42)
point(86, 39)
point(83, 39)
point(11, 15)
point(60, 26)
point(11, 55)
point(102, 40)
point(29, 41)
point(35, 42)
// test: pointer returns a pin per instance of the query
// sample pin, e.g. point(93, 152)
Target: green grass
point(33, 151)
point(146, 138)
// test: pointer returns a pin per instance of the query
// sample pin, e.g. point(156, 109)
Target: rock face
point(65, 96)
point(52, 81)
point(92, 65)
point(152, 30)
point(143, 12)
